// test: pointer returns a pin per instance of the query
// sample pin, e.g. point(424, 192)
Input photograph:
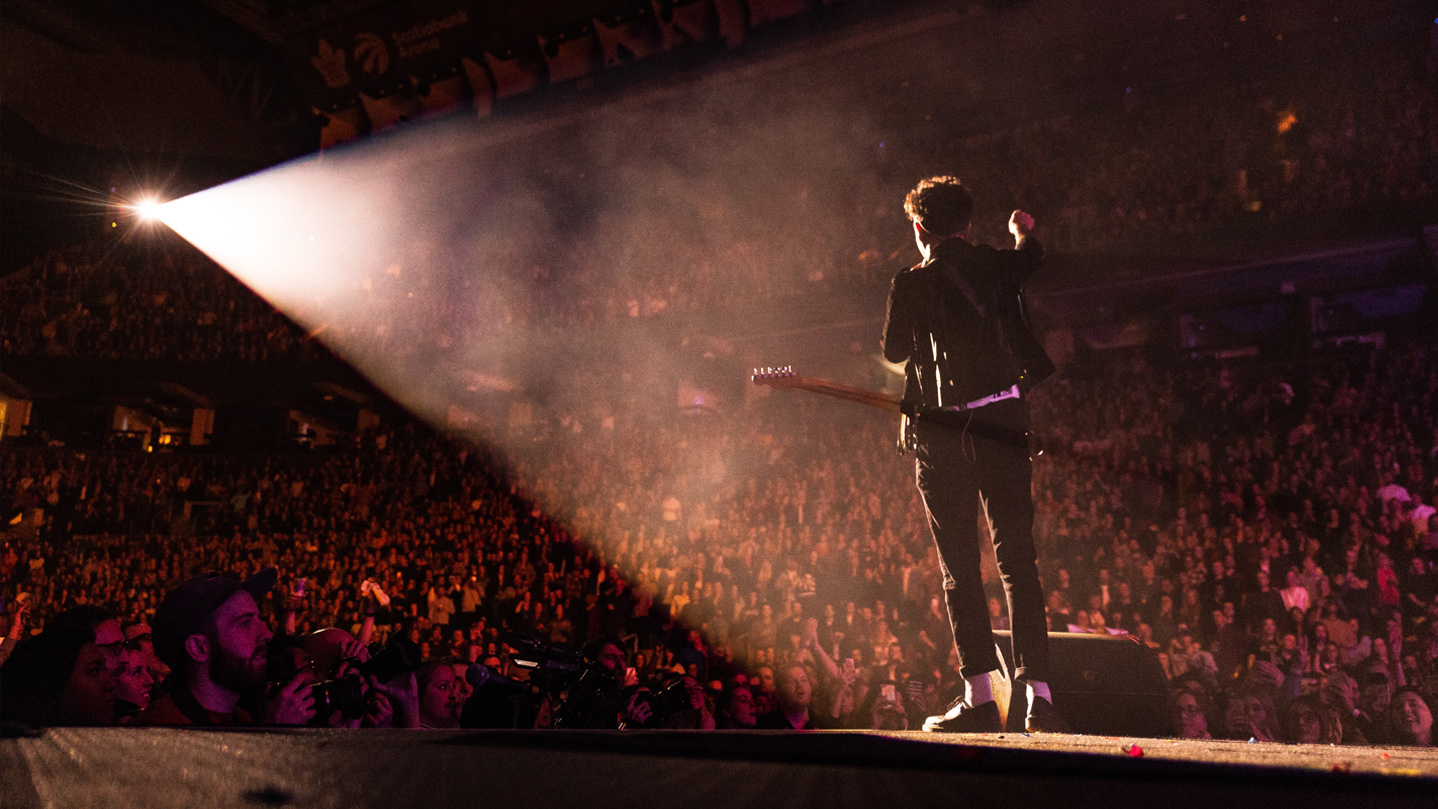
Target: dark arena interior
point(438, 402)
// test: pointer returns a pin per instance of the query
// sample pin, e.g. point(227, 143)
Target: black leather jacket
point(960, 322)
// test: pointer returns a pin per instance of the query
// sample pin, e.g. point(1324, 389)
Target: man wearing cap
point(209, 632)
point(957, 322)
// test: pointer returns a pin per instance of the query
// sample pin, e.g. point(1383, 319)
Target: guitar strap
point(957, 279)
point(1011, 393)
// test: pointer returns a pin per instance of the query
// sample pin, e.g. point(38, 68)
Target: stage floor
point(80, 767)
point(1395, 761)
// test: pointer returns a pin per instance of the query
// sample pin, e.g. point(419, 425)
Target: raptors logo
point(371, 54)
point(330, 62)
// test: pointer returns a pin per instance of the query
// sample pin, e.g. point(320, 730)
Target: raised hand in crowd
point(18, 615)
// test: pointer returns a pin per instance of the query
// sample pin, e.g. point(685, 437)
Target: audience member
point(1410, 718)
point(210, 633)
point(795, 695)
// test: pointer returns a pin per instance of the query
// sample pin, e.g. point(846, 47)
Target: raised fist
point(1020, 224)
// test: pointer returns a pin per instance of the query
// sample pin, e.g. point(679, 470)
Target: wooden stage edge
point(152, 767)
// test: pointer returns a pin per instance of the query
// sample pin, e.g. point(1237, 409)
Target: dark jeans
point(978, 463)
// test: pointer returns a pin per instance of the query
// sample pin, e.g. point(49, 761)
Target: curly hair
point(940, 204)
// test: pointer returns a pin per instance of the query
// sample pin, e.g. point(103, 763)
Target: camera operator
point(679, 704)
point(585, 688)
point(209, 632)
point(496, 699)
point(607, 652)
point(348, 692)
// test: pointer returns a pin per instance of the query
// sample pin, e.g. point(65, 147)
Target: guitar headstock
point(776, 377)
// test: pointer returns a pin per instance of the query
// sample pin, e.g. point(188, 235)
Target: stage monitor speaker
point(1105, 685)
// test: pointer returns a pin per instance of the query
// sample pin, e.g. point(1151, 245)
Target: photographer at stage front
point(210, 633)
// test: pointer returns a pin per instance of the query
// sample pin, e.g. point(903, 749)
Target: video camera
point(397, 657)
point(593, 693)
point(664, 703)
point(551, 667)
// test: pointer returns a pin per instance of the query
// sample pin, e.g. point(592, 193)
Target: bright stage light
point(148, 209)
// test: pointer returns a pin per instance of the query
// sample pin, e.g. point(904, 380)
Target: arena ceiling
point(104, 97)
point(217, 79)
point(183, 77)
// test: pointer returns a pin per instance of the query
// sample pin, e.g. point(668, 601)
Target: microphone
point(480, 675)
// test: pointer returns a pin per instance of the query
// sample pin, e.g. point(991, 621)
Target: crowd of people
point(1270, 531)
point(1300, 142)
point(156, 301)
point(1280, 526)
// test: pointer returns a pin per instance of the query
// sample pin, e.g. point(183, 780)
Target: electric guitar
point(786, 378)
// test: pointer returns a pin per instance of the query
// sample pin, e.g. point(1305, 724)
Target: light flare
point(148, 209)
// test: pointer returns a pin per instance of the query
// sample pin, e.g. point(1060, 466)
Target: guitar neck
point(868, 397)
point(871, 398)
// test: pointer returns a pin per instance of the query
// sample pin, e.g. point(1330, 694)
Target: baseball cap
point(139, 630)
point(186, 609)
